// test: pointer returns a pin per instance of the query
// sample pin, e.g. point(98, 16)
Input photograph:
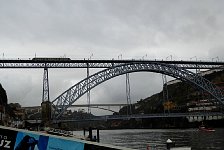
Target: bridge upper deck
point(68, 63)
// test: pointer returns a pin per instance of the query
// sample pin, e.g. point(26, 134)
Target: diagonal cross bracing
point(62, 102)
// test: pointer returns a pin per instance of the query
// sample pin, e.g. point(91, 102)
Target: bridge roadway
point(143, 116)
point(98, 106)
point(82, 105)
point(51, 63)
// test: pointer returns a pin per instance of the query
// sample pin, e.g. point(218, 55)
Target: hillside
point(179, 94)
point(3, 96)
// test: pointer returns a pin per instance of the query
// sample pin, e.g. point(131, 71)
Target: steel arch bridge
point(66, 99)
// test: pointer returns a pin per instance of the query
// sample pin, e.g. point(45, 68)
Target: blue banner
point(24, 140)
point(62, 144)
point(27, 141)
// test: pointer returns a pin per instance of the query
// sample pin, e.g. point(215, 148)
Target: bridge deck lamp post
point(144, 56)
point(216, 58)
point(119, 56)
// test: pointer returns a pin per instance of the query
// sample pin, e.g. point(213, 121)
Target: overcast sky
point(104, 29)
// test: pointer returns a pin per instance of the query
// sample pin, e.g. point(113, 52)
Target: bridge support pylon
point(46, 104)
point(128, 94)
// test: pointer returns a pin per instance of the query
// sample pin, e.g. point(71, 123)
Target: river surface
point(140, 138)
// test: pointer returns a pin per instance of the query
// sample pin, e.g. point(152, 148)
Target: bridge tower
point(165, 92)
point(128, 94)
point(88, 90)
point(46, 104)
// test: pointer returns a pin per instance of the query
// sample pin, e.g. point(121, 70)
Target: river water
point(140, 138)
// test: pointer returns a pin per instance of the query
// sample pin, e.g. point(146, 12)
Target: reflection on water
point(140, 138)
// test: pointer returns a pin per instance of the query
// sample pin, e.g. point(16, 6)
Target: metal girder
point(128, 94)
point(66, 99)
point(103, 63)
point(45, 96)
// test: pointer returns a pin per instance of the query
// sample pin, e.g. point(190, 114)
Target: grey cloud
point(18, 85)
point(216, 53)
point(114, 90)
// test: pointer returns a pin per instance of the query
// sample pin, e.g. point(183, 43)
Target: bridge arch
point(66, 99)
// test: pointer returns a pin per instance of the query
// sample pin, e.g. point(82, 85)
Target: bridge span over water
point(112, 68)
point(107, 107)
point(66, 99)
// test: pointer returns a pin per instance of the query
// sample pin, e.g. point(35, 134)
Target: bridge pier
point(46, 104)
point(46, 112)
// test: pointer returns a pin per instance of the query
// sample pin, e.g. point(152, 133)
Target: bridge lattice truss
point(66, 99)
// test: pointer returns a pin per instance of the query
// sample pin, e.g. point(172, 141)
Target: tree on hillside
point(3, 96)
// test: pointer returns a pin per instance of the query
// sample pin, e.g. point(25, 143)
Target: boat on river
point(203, 128)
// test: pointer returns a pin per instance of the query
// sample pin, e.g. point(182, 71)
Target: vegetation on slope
point(179, 94)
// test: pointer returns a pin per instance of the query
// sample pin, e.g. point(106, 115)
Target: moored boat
point(203, 128)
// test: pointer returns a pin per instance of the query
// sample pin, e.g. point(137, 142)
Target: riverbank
point(154, 123)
